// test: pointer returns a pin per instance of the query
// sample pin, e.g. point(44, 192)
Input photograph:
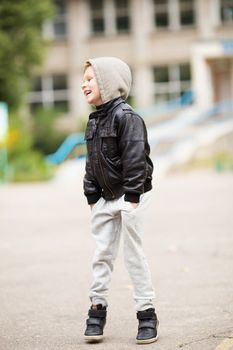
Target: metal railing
point(63, 151)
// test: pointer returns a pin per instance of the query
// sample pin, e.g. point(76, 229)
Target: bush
point(24, 163)
point(45, 138)
point(30, 166)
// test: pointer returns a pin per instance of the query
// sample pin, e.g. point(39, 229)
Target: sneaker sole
point(146, 341)
point(93, 338)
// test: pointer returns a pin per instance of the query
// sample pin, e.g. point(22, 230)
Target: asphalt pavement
point(45, 267)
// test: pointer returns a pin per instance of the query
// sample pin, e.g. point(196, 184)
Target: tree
point(21, 45)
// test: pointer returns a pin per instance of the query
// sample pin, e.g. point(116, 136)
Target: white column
point(141, 24)
point(216, 13)
point(143, 80)
point(206, 17)
point(109, 17)
point(79, 31)
point(173, 10)
point(202, 83)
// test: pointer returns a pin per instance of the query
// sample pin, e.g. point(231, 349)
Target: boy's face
point(90, 87)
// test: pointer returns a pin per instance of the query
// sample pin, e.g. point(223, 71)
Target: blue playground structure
point(69, 144)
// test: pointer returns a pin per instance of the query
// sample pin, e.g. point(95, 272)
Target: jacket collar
point(105, 108)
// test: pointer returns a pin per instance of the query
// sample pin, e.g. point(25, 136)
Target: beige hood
point(113, 76)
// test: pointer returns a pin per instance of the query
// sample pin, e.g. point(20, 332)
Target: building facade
point(171, 46)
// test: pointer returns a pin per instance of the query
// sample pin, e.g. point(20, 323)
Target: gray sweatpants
point(109, 219)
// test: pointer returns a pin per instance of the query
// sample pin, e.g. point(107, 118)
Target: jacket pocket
point(114, 169)
point(115, 162)
point(109, 143)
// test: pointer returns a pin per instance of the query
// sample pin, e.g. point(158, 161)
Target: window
point(49, 91)
point(187, 13)
point(37, 84)
point(226, 8)
point(171, 82)
point(122, 15)
point(59, 82)
point(161, 13)
point(97, 16)
point(174, 14)
point(60, 20)
point(161, 74)
point(109, 16)
point(57, 29)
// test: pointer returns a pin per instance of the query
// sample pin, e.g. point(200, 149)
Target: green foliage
point(223, 161)
point(46, 138)
point(3, 165)
point(25, 164)
point(19, 139)
point(30, 166)
point(21, 45)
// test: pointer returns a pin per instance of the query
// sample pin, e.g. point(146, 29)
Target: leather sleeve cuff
point(132, 197)
point(93, 198)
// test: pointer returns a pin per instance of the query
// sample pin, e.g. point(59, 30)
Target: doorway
point(222, 76)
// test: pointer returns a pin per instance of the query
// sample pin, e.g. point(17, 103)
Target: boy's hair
point(86, 65)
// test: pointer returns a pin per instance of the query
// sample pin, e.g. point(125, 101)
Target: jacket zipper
point(102, 170)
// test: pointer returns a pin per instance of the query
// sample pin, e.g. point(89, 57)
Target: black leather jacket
point(118, 160)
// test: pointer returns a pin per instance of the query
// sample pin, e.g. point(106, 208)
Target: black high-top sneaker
point(147, 328)
point(95, 323)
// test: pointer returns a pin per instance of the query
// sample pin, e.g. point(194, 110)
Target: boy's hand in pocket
point(134, 205)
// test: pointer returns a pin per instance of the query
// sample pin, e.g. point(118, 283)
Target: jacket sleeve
point(132, 137)
point(91, 188)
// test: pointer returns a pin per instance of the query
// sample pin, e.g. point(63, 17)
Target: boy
point(117, 184)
